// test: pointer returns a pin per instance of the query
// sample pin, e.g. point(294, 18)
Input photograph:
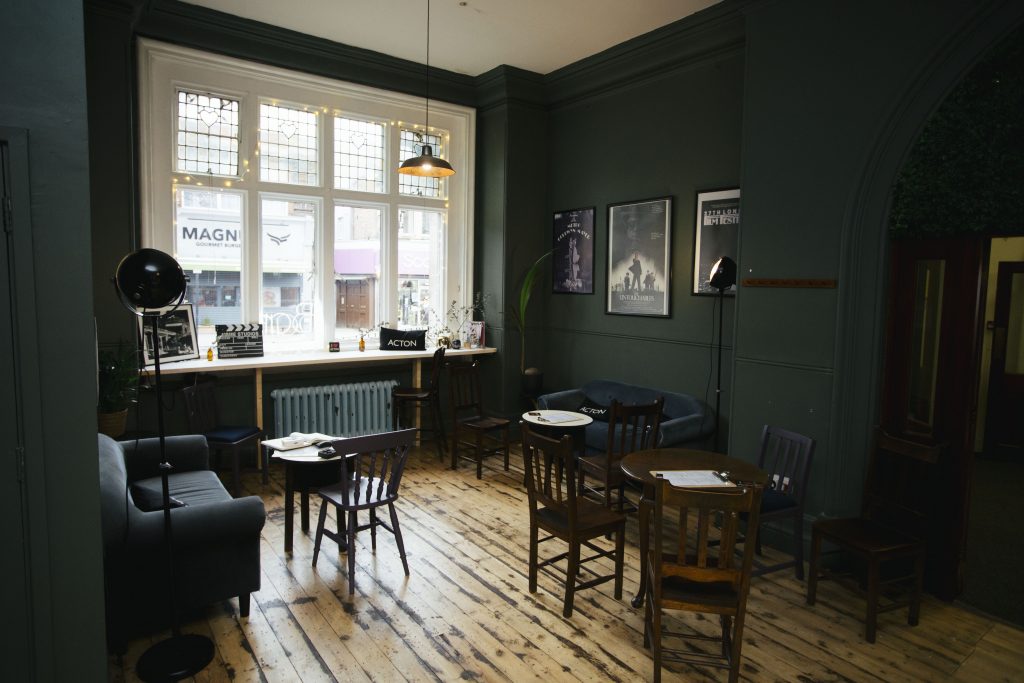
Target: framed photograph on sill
point(176, 332)
point(716, 235)
point(639, 257)
point(572, 254)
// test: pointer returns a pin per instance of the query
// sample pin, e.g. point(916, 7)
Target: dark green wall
point(44, 91)
point(627, 133)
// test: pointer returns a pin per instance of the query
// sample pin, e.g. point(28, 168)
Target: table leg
point(289, 505)
point(258, 390)
point(417, 381)
point(644, 512)
point(304, 502)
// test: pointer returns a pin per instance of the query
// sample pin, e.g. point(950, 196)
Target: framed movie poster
point(639, 257)
point(572, 254)
point(176, 330)
point(716, 235)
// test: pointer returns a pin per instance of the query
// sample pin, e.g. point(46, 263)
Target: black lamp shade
point(723, 274)
point(426, 165)
point(148, 279)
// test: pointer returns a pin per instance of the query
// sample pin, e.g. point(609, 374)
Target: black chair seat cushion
point(411, 393)
point(484, 423)
point(222, 435)
point(774, 501)
point(191, 488)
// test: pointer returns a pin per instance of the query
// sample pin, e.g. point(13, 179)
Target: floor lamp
point(723, 276)
point(147, 282)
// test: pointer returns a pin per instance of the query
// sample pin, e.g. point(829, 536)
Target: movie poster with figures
point(572, 257)
point(716, 235)
point(639, 257)
point(176, 334)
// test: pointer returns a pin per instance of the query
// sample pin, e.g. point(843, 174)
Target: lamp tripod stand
point(149, 279)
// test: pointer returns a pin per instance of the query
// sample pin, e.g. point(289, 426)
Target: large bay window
point(278, 193)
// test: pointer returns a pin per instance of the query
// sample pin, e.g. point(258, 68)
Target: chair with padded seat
point(371, 472)
point(555, 507)
point(428, 396)
point(695, 569)
point(202, 416)
point(888, 538)
point(474, 433)
point(630, 428)
point(786, 457)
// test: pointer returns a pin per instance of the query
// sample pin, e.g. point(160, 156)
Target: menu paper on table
point(555, 418)
point(694, 478)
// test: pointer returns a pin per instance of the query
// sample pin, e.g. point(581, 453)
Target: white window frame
point(164, 68)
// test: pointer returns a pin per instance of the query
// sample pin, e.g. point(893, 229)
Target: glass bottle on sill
point(362, 343)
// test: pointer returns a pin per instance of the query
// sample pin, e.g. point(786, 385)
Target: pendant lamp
point(426, 165)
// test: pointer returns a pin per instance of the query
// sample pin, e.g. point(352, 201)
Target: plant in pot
point(532, 378)
point(118, 381)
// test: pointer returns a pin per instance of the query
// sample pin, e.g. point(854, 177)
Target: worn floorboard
point(465, 612)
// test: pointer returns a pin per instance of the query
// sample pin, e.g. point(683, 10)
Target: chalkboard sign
point(239, 341)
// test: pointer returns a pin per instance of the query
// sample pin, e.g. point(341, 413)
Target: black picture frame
point(572, 251)
point(177, 331)
point(640, 258)
point(716, 234)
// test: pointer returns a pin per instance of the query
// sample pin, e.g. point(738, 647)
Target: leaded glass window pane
point(411, 145)
point(288, 145)
point(207, 135)
point(358, 155)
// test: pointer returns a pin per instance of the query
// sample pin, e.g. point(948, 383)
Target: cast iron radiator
point(336, 409)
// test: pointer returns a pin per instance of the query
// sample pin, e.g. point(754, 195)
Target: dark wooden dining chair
point(888, 538)
point(687, 571)
point(630, 428)
point(202, 417)
point(371, 472)
point(427, 396)
point(474, 434)
point(556, 509)
point(786, 457)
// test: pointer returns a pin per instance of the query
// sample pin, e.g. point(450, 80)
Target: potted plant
point(533, 378)
point(118, 381)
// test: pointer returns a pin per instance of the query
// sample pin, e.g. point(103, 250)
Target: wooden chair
point(554, 507)
point(473, 431)
point(201, 414)
point(371, 472)
point(889, 535)
point(428, 396)
point(630, 428)
point(786, 457)
point(696, 578)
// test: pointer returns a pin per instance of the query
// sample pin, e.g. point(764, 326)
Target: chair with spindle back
point(700, 573)
point(371, 472)
point(630, 428)
point(786, 457)
point(890, 532)
point(428, 396)
point(554, 507)
point(202, 417)
point(472, 430)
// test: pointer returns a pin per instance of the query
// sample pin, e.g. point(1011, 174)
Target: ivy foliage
point(965, 173)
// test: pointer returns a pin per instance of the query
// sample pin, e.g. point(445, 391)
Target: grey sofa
point(216, 537)
point(686, 420)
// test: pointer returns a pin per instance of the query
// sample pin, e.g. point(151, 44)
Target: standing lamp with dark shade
point(723, 276)
point(148, 280)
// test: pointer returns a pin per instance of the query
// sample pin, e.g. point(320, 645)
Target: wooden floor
point(465, 612)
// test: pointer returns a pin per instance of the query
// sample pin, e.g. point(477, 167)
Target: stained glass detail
point(411, 145)
point(358, 155)
point(207, 135)
point(288, 145)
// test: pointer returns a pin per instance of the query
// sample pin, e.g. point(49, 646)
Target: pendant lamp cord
point(426, 125)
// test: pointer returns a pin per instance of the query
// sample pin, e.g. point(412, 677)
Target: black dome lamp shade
point(723, 274)
point(148, 281)
point(426, 165)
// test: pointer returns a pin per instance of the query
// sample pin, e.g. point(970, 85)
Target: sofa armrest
point(571, 399)
point(196, 525)
point(682, 429)
point(185, 453)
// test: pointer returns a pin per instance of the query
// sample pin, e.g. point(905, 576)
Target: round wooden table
point(541, 423)
point(639, 465)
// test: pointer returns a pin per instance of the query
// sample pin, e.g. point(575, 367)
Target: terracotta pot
point(113, 424)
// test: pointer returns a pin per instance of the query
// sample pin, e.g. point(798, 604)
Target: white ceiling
point(471, 36)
